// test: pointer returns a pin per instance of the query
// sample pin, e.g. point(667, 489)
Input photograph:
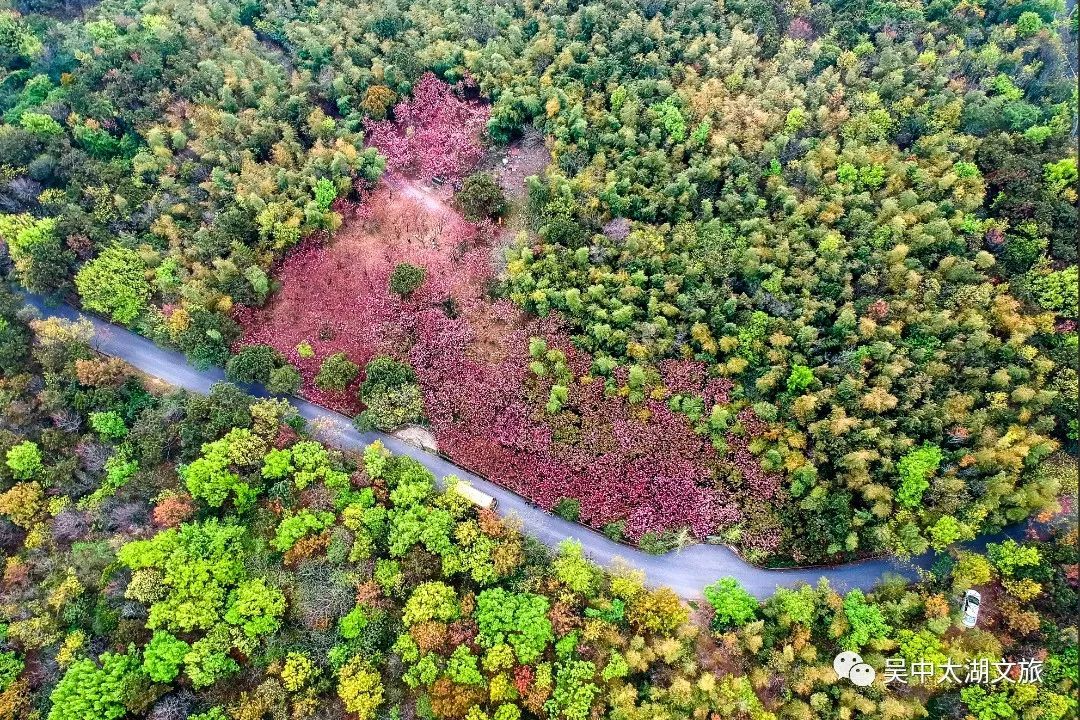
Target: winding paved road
point(686, 571)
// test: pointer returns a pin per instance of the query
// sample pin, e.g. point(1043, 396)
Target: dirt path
point(434, 201)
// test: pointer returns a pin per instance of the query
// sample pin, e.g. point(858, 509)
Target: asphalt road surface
point(686, 571)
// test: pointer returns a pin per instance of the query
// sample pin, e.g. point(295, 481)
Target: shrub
point(253, 364)
point(434, 133)
point(383, 373)
point(336, 373)
point(406, 278)
point(284, 380)
point(391, 394)
point(615, 530)
point(480, 197)
point(392, 409)
point(568, 509)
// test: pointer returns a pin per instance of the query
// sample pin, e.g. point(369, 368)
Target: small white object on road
point(476, 497)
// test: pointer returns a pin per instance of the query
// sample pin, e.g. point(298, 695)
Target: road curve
point(686, 571)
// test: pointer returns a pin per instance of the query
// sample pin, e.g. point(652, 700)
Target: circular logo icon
point(862, 675)
point(843, 663)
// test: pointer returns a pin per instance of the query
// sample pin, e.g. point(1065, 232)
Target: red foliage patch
point(642, 464)
point(335, 296)
point(433, 133)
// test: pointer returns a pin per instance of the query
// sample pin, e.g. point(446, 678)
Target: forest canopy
point(856, 220)
point(169, 555)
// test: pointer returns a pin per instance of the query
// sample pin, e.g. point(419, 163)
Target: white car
point(970, 608)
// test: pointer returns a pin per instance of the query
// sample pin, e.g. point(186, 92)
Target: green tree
point(353, 622)
point(41, 126)
point(516, 619)
point(865, 621)
point(210, 478)
point(948, 530)
point(1009, 556)
point(325, 193)
point(986, 705)
point(89, 691)
point(1028, 24)
point(14, 335)
point(360, 688)
point(574, 691)
point(799, 379)
point(11, 666)
point(163, 657)
point(970, 570)
point(199, 564)
point(24, 460)
point(42, 262)
point(794, 606)
point(114, 283)
point(296, 525)
point(256, 608)
point(109, 425)
point(431, 601)
point(732, 605)
point(915, 469)
point(574, 570)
